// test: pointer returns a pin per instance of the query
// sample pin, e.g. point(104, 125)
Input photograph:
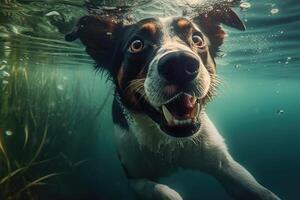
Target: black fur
point(118, 115)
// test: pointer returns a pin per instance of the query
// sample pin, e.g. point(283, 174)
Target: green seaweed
point(46, 132)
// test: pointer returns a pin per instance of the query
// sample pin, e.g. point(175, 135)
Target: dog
point(164, 74)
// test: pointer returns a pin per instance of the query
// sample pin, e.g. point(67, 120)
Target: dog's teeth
point(167, 115)
point(172, 121)
point(187, 121)
point(196, 110)
point(182, 122)
point(194, 99)
point(176, 122)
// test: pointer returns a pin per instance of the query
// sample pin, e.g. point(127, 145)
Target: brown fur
point(183, 23)
point(151, 27)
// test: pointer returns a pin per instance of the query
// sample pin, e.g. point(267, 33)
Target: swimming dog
point(164, 74)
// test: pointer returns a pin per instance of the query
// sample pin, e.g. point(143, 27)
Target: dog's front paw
point(163, 192)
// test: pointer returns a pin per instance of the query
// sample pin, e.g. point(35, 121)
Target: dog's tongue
point(182, 106)
point(187, 101)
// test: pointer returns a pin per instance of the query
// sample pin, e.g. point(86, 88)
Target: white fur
point(148, 154)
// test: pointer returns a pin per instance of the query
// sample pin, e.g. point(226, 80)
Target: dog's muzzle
point(177, 114)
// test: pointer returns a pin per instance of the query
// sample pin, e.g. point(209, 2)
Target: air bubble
point(9, 133)
point(210, 8)
point(245, 5)
point(274, 11)
point(280, 112)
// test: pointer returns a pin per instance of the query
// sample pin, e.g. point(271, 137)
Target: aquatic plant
point(48, 130)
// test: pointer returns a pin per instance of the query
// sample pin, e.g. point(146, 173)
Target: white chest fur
point(146, 145)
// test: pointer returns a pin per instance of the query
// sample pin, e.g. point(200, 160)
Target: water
point(257, 107)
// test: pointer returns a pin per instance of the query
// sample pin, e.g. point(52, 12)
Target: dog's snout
point(178, 67)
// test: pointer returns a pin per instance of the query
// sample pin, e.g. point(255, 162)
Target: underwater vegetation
point(47, 133)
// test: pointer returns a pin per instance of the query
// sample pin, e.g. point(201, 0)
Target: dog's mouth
point(179, 117)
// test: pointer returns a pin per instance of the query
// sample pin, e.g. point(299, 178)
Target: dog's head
point(163, 68)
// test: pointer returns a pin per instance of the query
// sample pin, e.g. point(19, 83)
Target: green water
point(256, 109)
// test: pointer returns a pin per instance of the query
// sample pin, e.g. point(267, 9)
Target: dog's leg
point(239, 183)
point(214, 158)
point(149, 190)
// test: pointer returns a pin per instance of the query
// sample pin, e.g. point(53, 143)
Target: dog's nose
point(178, 67)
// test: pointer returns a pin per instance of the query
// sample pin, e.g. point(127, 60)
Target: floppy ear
point(99, 36)
point(210, 23)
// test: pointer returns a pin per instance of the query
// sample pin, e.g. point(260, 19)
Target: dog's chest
point(158, 158)
point(145, 151)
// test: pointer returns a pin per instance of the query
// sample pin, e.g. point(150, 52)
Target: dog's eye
point(197, 40)
point(136, 46)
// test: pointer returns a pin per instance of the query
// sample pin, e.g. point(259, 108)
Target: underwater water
point(56, 137)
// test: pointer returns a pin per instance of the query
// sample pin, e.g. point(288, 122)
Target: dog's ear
point(210, 23)
point(99, 36)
